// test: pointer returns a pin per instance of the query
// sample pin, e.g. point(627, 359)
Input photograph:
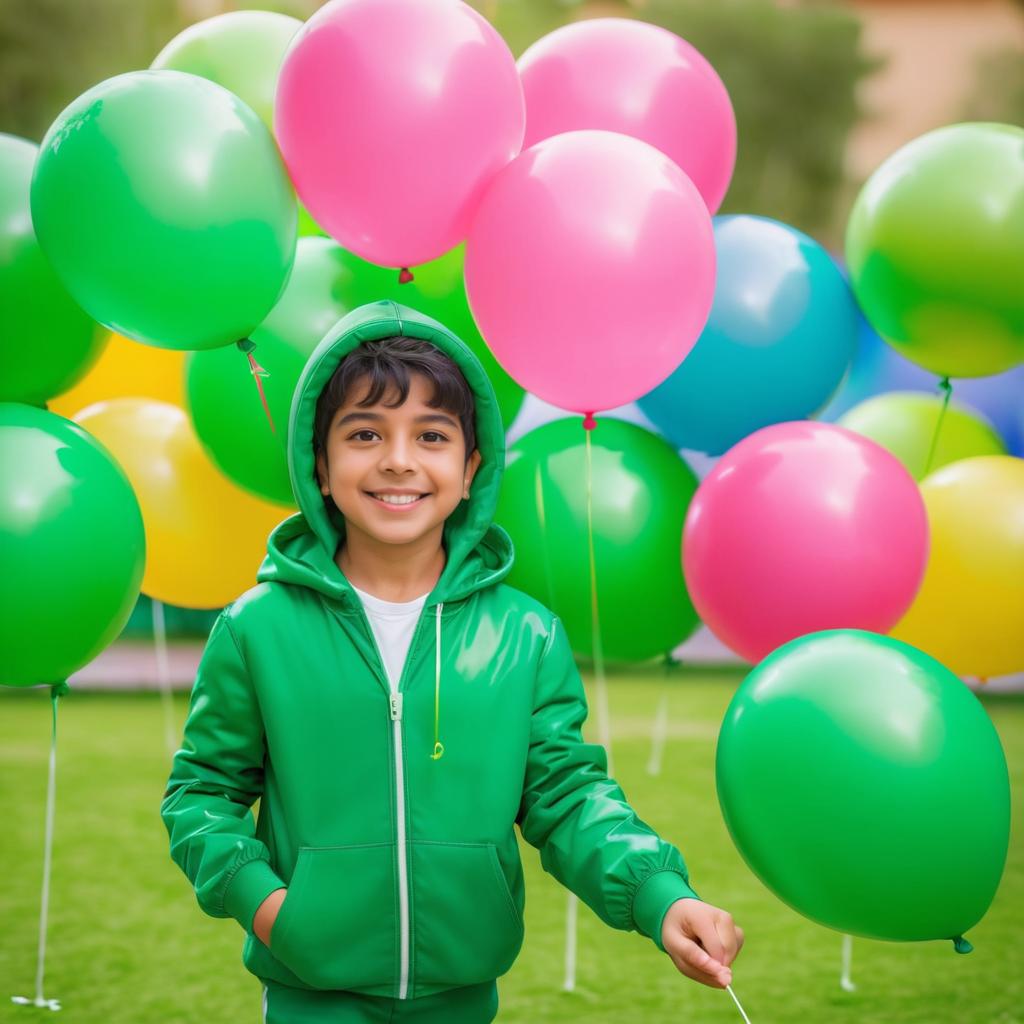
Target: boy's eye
point(358, 435)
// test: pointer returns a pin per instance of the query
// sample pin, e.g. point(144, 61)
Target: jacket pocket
point(467, 926)
point(336, 926)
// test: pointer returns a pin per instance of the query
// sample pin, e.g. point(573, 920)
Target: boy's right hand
point(702, 941)
point(266, 915)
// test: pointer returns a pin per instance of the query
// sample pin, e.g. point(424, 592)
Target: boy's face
point(412, 449)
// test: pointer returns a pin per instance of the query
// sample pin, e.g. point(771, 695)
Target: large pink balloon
point(392, 117)
point(590, 268)
point(639, 79)
point(802, 527)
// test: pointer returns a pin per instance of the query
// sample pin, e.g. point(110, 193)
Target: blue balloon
point(878, 369)
point(781, 335)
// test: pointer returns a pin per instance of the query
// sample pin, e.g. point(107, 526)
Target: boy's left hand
point(702, 941)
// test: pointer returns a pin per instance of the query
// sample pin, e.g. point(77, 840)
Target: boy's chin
point(395, 527)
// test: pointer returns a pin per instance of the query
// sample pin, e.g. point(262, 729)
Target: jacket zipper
point(401, 854)
point(400, 851)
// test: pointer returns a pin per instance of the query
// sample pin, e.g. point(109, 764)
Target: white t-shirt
point(393, 623)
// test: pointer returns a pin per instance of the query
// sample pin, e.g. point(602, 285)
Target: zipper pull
point(396, 707)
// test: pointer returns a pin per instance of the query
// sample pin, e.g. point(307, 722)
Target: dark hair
point(389, 362)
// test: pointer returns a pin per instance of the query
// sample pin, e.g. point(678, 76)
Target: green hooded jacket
point(403, 869)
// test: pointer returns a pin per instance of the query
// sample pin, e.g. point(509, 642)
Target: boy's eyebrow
point(430, 417)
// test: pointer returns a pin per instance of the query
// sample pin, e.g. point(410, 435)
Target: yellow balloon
point(127, 369)
point(205, 537)
point(969, 612)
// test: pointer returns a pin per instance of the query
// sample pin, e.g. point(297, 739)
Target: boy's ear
point(471, 467)
point(321, 474)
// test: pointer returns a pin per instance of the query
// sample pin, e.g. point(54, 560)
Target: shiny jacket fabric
point(403, 870)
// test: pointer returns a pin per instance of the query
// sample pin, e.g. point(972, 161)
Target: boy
point(398, 707)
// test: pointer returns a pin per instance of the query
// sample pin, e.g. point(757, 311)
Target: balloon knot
point(589, 422)
point(961, 945)
point(405, 276)
point(60, 689)
point(258, 372)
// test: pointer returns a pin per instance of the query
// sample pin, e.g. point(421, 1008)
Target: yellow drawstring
point(438, 745)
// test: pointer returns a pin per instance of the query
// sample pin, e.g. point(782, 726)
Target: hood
point(301, 550)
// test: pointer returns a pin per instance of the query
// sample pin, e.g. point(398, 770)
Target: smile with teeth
point(397, 499)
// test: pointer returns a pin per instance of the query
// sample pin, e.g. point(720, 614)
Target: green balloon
point(904, 422)
point(47, 342)
point(163, 204)
point(240, 50)
point(72, 546)
point(221, 391)
point(935, 246)
point(326, 283)
point(641, 492)
point(866, 786)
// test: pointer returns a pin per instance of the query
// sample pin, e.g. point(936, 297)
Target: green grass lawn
point(127, 943)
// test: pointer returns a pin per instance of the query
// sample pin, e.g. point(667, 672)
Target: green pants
point(474, 1004)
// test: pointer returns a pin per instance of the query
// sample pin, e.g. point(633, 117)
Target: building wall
point(931, 48)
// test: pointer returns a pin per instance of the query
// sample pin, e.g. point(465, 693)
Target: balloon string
point(258, 372)
point(603, 725)
point(947, 390)
point(746, 1019)
point(56, 690)
point(571, 908)
point(845, 980)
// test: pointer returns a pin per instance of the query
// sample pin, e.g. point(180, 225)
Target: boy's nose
point(397, 456)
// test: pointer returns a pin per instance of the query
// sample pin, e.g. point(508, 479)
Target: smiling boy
point(399, 708)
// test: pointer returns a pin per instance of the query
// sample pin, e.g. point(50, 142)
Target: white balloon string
point(51, 790)
point(569, 983)
point(845, 981)
point(746, 1019)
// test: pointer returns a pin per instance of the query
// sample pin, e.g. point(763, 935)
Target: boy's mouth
point(396, 502)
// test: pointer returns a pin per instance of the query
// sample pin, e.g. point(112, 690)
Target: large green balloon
point(935, 247)
point(222, 396)
point(904, 422)
point(866, 786)
point(641, 491)
point(241, 50)
point(326, 283)
point(162, 202)
point(72, 546)
point(47, 342)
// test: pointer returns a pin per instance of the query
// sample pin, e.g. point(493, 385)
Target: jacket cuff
point(251, 884)
point(653, 898)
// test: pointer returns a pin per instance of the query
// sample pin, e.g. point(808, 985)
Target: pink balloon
point(590, 268)
point(392, 117)
point(639, 79)
point(802, 527)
